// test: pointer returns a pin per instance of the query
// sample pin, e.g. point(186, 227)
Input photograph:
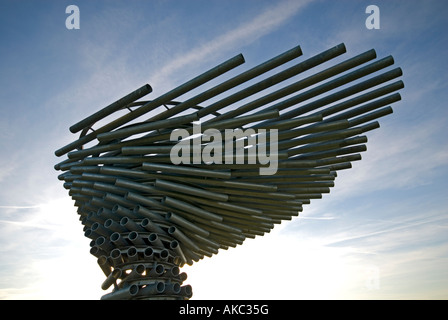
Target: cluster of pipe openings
point(147, 216)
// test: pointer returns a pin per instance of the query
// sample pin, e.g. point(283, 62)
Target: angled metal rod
point(277, 78)
point(233, 82)
point(115, 106)
point(171, 95)
point(299, 85)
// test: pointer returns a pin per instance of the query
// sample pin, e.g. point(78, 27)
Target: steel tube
point(138, 150)
point(111, 279)
point(184, 206)
point(115, 106)
point(342, 93)
point(362, 98)
point(100, 229)
point(132, 254)
point(145, 201)
point(114, 226)
point(235, 81)
point(146, 127)
point(175, 246)
point(144, 213)
point(178, 220)
point(136, 239)
point(157, 270)
point(116, 257)
point(118, 240)
point(104, 244)
point(299, 85)
point(277, 78)
point(150, 226)
point(185, 171)
point(152, 289)
point(121, 212)
point(196, 82)
point(181, 237)
point(122, 294)
point(148, 254)
point(190, 190)
point(155, 241)
point(130, 225)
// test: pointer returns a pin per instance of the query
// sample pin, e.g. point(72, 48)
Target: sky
point(382, 232)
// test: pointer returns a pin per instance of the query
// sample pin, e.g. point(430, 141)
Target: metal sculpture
point(148, 215)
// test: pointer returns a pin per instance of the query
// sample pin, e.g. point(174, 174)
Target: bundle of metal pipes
point(151, 203)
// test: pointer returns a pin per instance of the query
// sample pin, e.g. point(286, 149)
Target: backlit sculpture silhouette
point(147, 215)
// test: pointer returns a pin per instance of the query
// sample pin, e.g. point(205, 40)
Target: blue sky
point(382, 232)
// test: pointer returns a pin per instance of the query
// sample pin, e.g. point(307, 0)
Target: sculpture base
point(144, 274)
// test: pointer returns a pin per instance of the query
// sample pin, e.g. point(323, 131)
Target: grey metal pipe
point(100, 229)
point(111, 279)
point(155, 241)
point(132, 254)
point(115, 106)
point(148, 126)
point(359, 99)
point(233, 82)
point(172, 288)
point(174, 271)
point(138, 186)
point(175, 246)
point(124, 212)
point(157, 270)
point(142, 212)
point(186, 171)
point(277, 78)
point(207, 242)
point(181, 237)
point(116, 257)
point(109, 188)
point(118, 240)
point(164, 255)
point(184, 206)
point(135, 274)
point(104, 265)
point(197, 192)
point(114, 226)
point(130, 225)
point(155, 288)
point(150, 226)
point(371, 106)
point(371, 116)
point(136, 150)
point(104, 244)
point(197, 81)
point(328, 145)
point(186, 291)
point(299, 85)
point(122, 294)
point(387, 76)
point(178, 220)
point(90, 234)
point(316, 128)
point(136, 239)
point(148, 254)
point(145, 201)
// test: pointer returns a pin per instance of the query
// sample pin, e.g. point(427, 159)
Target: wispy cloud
point(20, 207)
point(261, 25)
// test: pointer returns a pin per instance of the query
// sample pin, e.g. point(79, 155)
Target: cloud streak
point(261, 25)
